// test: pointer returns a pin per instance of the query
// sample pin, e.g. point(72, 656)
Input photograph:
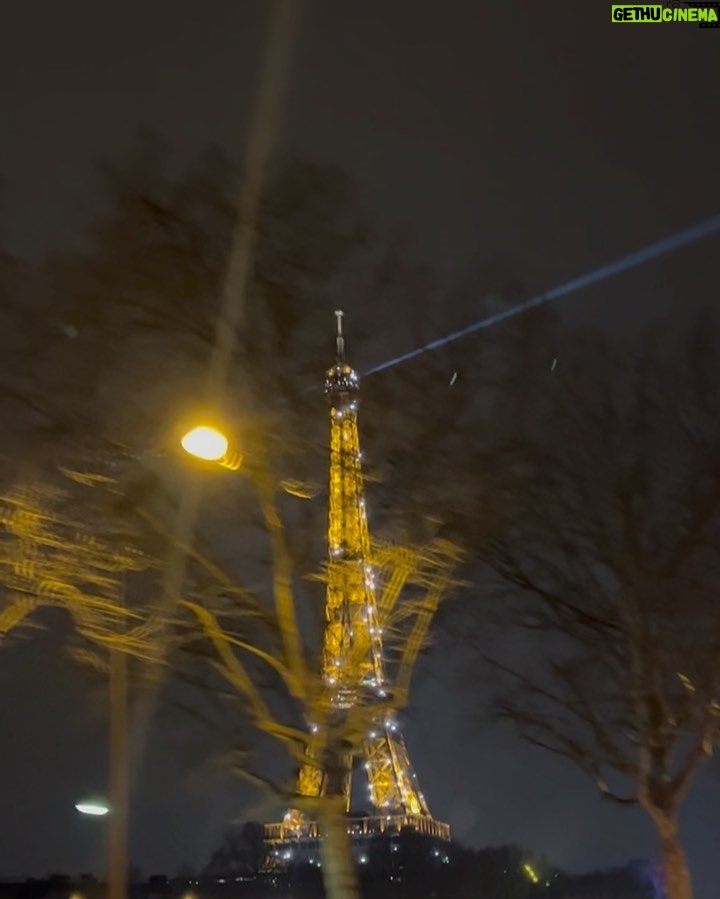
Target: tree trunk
point(338, 865)
point(678, 884)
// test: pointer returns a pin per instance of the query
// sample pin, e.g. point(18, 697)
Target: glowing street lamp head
point(97, 808)
point(205, 443)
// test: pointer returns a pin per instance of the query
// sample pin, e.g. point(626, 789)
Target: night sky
point(537, 138)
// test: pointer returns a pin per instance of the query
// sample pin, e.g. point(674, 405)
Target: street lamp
point(211, 445)
point(116, 830)
point(96, 808)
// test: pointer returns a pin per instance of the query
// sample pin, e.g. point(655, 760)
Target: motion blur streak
point(272, 86)
point(684, 238)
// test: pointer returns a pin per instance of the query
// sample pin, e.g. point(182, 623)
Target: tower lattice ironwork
point(354, 676)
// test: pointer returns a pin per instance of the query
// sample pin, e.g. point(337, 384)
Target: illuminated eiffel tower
point(354, 682)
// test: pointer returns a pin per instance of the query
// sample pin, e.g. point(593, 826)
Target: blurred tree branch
point(606, 569)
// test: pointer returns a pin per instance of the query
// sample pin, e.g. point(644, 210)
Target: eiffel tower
point(353, 667)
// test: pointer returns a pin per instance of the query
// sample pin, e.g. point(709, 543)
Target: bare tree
point(605, 564)
point(57, 552)
point(52, 556)
point(239, 645)
point(136, 315)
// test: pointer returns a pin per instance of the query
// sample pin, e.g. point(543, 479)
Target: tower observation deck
point(354, 682)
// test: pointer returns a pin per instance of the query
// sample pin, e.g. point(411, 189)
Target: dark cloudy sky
point(535, 137)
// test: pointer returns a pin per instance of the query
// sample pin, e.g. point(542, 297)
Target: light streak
point(670, 244)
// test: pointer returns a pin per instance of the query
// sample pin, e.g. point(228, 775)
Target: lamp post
point(118, 763)
point(116, 810)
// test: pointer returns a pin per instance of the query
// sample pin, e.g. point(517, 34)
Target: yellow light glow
point(531, 873)
point(205, 443)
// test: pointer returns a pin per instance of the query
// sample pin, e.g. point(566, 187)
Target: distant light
point(205, 443)
point(531, 873)
point(95, 807)
point(363, 859)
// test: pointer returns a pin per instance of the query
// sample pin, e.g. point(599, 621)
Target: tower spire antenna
point(340, 340)
point(341, 382)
